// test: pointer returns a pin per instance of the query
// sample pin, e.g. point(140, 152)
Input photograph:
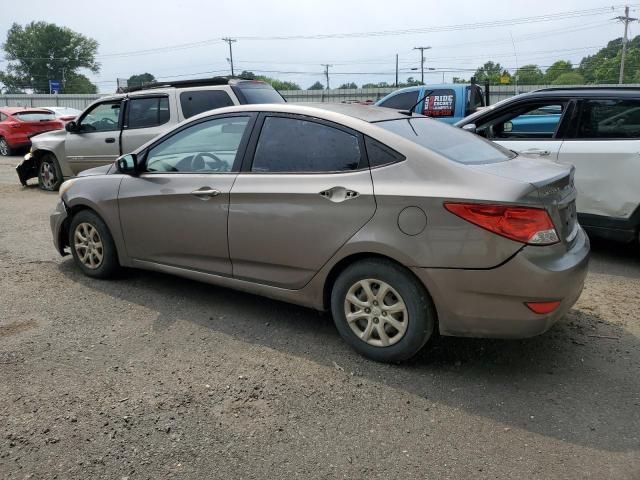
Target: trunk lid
point(553, 184)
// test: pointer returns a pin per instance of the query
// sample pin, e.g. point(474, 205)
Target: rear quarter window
point(198, 101)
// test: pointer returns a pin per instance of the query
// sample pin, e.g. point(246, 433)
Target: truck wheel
point(49, 175)
point(5, 149)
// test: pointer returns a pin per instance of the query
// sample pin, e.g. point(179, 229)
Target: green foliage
point(459, 80)
point(377, 85)
point(345, 86)
point(78, 83)
point(316, 86)
point(490, 71)
point(41, 51)
point(569, 78)
point(529, 75)
point(141, 79)
point(274, 82)
point(410, 82)
point(557, 69)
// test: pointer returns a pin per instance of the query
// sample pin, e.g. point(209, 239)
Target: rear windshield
point(451, 142)
point(35, 116)
point(257, 92)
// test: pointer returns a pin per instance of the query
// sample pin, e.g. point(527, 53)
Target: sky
point(181, 39)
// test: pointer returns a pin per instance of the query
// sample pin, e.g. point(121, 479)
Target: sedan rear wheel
point(382, 310)
point(5, 150)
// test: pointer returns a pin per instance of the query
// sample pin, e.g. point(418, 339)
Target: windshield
point(35, 116)
point(257, 92)
point(451, 142)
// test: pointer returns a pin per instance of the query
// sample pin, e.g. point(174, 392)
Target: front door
point(307, 191)
point(532, 128)
point(175, 212)
point(606, 153)
point(97, 140)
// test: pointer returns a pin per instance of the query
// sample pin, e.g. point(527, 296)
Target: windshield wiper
point(410, 112)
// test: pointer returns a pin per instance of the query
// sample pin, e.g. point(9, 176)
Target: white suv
point(119, 124)
point(596, 129)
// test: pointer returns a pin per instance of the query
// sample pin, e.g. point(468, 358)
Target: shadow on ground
point(577, 383)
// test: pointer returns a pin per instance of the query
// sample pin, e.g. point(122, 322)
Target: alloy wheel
point(4, 147)
point(88, 245)
point(48, 175)
point(376, 312)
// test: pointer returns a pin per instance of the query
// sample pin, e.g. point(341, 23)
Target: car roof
point(337, 112)
point(587, 92)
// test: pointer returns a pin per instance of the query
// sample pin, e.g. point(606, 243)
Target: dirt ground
point(152, 377)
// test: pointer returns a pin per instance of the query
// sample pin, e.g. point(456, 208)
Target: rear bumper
point(491, 303)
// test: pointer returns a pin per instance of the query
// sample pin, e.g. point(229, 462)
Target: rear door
point(97, 141)
point(305, 189)
point(535, 127)
point(175, 212)
point(146, 117)
point(605, 149)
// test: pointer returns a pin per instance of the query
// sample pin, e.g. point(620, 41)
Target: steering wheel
point(198, 162)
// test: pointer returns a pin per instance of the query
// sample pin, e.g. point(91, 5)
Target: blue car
point(447, 102)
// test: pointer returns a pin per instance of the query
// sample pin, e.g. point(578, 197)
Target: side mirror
point(71, 126)
point(127, 164)
point(470, 127)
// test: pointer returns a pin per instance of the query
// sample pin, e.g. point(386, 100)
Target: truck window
point(475, 99)
point(401, 101)
point(198, 101)
point(147, 112)
point(440, 103)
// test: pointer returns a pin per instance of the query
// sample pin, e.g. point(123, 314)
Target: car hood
point(102, 170)
point(51, 136)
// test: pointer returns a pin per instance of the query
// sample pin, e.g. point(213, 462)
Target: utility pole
point(626, 19)
point(326, 72)
point(422, 49)
point(230, 41)
point(396, 71)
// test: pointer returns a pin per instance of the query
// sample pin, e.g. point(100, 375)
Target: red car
point(18, 125)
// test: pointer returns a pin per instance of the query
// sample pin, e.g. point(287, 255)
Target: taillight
point(523, 224)
point(542, 308)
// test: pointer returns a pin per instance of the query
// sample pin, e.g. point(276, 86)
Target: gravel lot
point(153, 377)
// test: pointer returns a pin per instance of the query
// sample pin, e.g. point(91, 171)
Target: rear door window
point(401, 101)
point(316, 147)
point(609, 119)
point(198, 101)
point(147, 112)
point(440, 103)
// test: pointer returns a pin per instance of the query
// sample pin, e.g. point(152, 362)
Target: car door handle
point(537, 151)
point(110, 140)
point(206, 192)
point(338, 194)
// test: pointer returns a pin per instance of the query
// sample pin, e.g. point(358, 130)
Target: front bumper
point(491, 303)
point(27, 168)
point(57, 222)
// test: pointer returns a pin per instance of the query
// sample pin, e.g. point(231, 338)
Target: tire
point(5, 149)
point(49, 174)
point(92, 246)
point(407, 325)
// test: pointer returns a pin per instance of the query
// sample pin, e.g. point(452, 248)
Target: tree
point(141, 79)
point(274, 82)
point(377, 85)
point(410, 82)
point(350, 85)
point(557, 69)
point(316, 86)
point(459, 80)
point(569, 78)
point(41, 51)
point(489, 71)
point(529, 75)
point(78, 83)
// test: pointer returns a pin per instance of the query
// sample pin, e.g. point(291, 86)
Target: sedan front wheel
point(382, 310)
point(92, 245)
